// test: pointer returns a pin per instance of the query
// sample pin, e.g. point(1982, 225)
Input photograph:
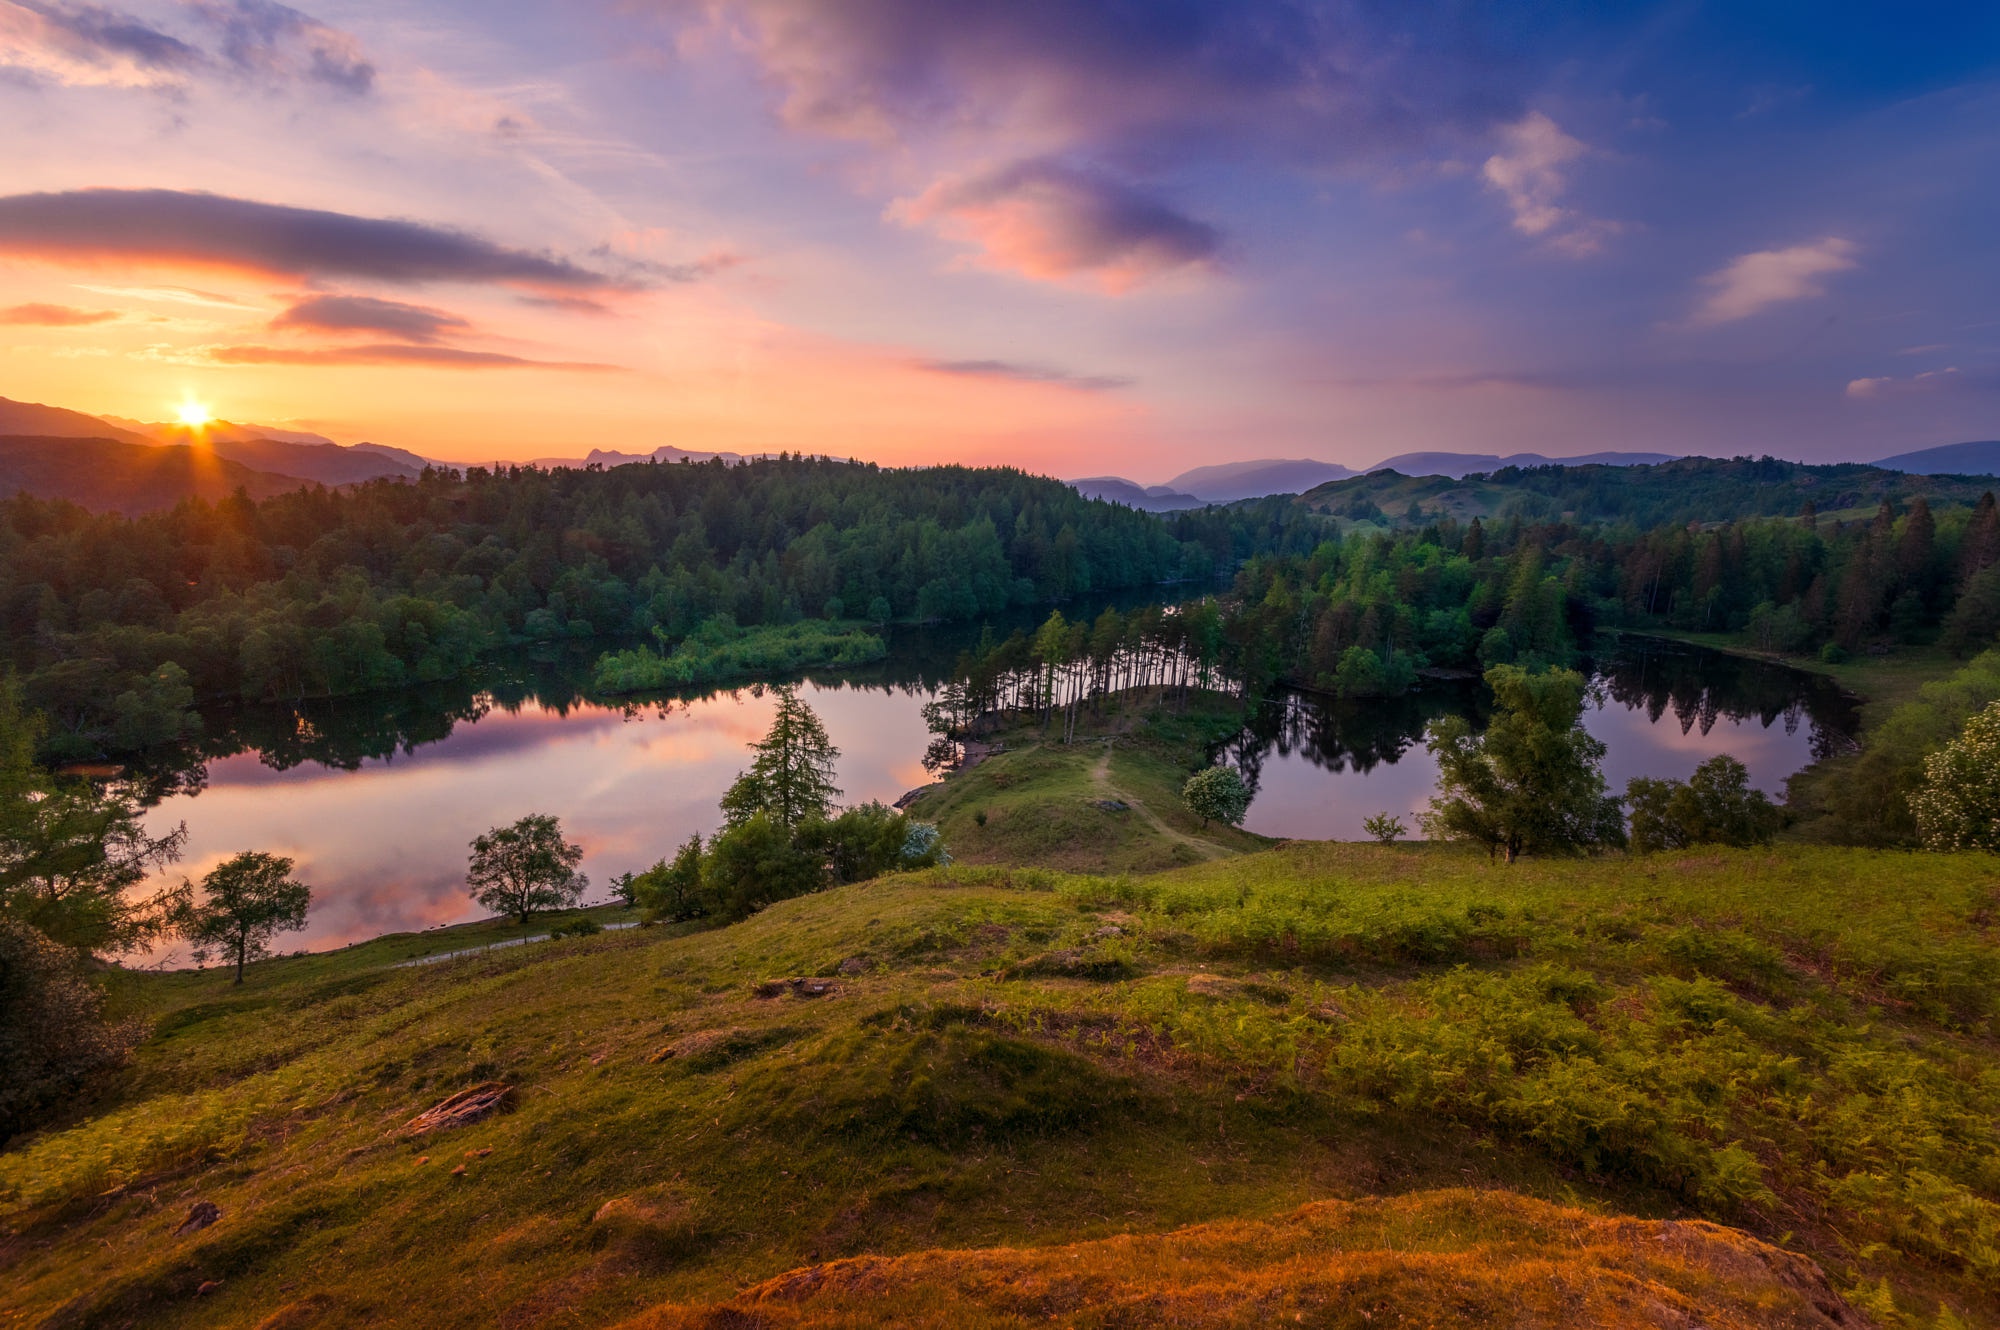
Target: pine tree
point(791, 778)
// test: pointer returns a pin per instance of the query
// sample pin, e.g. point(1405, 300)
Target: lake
point(377, 798)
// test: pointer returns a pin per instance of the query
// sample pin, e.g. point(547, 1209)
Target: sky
point(1094, 237)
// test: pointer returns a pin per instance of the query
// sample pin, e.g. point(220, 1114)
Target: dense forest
point(1368, 615)
point(1690, 489)
point(119, 627)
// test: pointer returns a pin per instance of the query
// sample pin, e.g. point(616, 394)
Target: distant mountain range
point(115, 475)
point(1953, 459)
point(1231, 481)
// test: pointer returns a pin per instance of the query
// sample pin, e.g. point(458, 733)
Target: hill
point(1689, 489)
point(327, 463)
point(1955, 459)
point(974, 1078)
point(1230, 481)
point(1459, 465)
point(54, 422)
point(1147, 499)
point(107, 475)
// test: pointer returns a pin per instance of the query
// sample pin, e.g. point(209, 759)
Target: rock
point(854, 965)
point(423, 1159)
point(1110, 805)
point(797, 987)
point(206, 1287)
point(199, 1216)
point(480, 1153)
point(465, 1106)
point(458, 1172)
point(1109, 930)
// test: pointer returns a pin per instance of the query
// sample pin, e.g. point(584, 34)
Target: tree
point(1384, 827)
point(71, 850)
point(1531, 783)
point(756, 862)
point(53, 1032)
point(245, 902)
point(791, 778)
point(671, 889)
point(1958, 807)
point(525, 868)
point(1716, 806)
point(1216, 794)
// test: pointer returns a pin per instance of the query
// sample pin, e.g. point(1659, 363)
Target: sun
point(194, 414)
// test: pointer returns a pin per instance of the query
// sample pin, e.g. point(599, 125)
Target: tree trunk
point(241, 948)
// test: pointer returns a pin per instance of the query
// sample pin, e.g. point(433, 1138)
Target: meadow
point(1798, 1042)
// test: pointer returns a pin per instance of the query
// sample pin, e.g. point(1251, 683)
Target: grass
point(1041, 801)
point(1800, 1042)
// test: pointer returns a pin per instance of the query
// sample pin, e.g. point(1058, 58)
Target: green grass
point(1801, 1042)
point(1041, 801)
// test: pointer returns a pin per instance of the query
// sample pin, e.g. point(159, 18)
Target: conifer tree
point(791, 778)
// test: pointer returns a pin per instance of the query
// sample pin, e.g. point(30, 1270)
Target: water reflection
point(1318, 767)
point(377, 798)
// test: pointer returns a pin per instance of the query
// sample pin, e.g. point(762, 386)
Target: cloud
point(173, 295)
point(1926, 384)
point(1023, 373)
point(56, 316)
point(1050, 221)
point(1531, 171)
point(411, 323)
point(278, 43)
point(1752, 283)
point(438, 357)
point(1306, 78)
point(88, 46)
point(175, 227)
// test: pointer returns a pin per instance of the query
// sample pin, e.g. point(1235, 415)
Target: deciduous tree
point(526, 868)
point(245, 902)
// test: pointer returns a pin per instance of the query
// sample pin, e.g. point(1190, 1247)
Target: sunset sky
point(1129, 236)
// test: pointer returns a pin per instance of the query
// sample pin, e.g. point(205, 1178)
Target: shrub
point(1958, 807)
point(1716, 807)
point(1384, 827)
point(53, 1032)
point(1216, 794)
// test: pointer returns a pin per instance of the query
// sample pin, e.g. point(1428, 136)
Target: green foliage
point(120, 626)
point(72, 850)
point(755, 862)
point(1716, 806)
point(525, 868)
point(1386, 828)
point(671, 890)
point(1865, 798)
point(54, 1035)
point(244, 902)
point(1958, 807)
point(1216, 794)
point(1531, 783)
point(791, 777)
point(718, 651)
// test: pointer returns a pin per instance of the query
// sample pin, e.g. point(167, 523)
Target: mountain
point(1227, 482)
point(328, 463)
point(1146, 498)
point(1459, 465)
point(608, 457)
point(32, 418)
point(115, 475)
point(215, 431)
point(1952, 459)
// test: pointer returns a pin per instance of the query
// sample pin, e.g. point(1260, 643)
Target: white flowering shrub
point(1958, 807)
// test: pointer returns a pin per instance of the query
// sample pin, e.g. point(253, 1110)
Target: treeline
point(1365, 615)
point(120, 627)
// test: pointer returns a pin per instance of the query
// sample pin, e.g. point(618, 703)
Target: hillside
point(1691, 489)
point(1952, 459)
point(105, 475)
point(1796, 1043)
point(55, 422)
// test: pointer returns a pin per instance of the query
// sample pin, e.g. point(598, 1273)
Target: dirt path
point(1100, 776)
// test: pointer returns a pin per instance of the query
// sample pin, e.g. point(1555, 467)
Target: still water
point(377, 799)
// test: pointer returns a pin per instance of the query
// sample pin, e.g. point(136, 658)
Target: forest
point(121, 628)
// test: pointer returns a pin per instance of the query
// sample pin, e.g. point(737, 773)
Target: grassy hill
point(106, 475)
point(1689, 489)
point(1799, 1043)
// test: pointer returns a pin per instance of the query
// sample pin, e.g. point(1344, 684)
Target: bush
point(1958, 807)
point(1715, 807)
point(756, 863)
point(53, 1032)
point(1216, 794)
point(1384, 827)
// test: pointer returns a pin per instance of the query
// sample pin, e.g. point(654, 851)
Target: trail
point(1100, 776)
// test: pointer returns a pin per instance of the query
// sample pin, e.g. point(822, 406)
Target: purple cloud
point(1050, 221)
point(173, 226)
point(1009, 369)
point(277, 42)
point(437, 357)
point(411, 323)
